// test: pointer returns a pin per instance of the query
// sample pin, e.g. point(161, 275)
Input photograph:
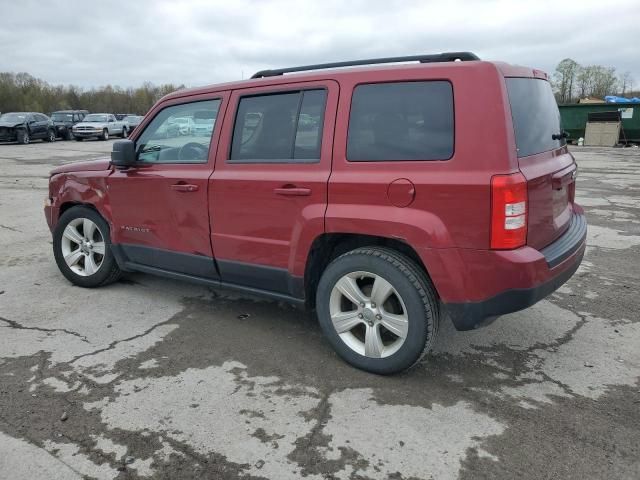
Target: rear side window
point(535, 115)
point(279, 128)
point(401, 121)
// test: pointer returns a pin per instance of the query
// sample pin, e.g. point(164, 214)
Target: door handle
point(292, 191)
point(184, 187)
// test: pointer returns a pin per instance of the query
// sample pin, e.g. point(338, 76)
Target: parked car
point(183, 125)
point(120, 116)
point(132, 121)
point(22, 127)
point(99, 125)
point(203, 125)
point(389, 217)
point(64, 120)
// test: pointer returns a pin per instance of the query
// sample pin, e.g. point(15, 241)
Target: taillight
point(508, 211)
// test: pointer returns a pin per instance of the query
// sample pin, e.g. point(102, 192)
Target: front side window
point(279, 128)
point(172, 138)
point(401, 121)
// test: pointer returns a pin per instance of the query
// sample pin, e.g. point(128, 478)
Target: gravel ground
point(151, 378)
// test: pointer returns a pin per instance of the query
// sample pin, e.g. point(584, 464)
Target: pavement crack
point(10, 228)
point(18, 326)
point(115, 343)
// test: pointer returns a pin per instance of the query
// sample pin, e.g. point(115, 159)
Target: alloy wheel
point(368, 314)
point(83, 247)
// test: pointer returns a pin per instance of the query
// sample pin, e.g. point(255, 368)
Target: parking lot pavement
point(154, 378)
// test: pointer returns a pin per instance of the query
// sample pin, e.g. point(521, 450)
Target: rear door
point(543, 159)
point(268, 193)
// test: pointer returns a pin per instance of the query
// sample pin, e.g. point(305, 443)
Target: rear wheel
point(69, 134)
point(23, 137)
point(82, 248)
point(124, 132)
point(378, 309)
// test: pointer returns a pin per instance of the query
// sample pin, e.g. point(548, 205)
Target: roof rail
point(432, 58)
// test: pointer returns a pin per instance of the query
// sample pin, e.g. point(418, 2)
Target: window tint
point(310, 121)
point(172, 137)
point(41, 118)
point(278, 128)
point(535, 114)
point(401, 121)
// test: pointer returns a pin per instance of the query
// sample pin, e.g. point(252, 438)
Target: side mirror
point(123, 154)
point(111, 120)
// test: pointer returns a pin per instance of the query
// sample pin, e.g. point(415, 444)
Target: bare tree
point(564, 79)
point(626, 83)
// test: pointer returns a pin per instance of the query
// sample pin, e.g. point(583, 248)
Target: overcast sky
point(90, 43)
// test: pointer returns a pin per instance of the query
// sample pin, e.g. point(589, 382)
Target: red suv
point(384, 197)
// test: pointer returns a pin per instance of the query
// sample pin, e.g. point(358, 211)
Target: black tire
point(23, 137)
point(124, 132)
point(51, 136)
point(69, 134)
point(108, 272)
point(105, 135)
point(411, 283)
point(79, 139)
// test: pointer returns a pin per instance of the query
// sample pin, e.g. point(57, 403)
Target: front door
point(268, 194)
point(159, 206)
point(38, 126)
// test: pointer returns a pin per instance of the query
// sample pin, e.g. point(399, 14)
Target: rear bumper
point(543, 273)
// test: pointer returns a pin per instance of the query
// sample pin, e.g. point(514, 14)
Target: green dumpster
point(574, 119)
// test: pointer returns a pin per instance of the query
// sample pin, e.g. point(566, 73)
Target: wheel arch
point(328, 246)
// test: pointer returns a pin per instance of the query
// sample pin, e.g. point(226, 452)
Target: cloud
point(201, 42)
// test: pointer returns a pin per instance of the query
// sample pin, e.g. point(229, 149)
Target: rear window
point(401, 121)
point(535, 114)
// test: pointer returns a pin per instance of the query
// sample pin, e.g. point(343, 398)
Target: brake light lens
point(508, 211)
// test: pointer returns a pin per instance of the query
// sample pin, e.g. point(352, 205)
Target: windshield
point(62, 117)
point(536, 118)
point(13, 117)
point(204, 121)
point(96, 118)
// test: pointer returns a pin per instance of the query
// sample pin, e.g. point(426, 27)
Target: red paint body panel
point(550, 209)
point(251, 222)
point(441, 209)
point(469, 275)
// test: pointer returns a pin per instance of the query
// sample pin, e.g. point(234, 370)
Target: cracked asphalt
point(151, 378)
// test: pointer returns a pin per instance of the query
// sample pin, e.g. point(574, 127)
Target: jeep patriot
point(387, 196)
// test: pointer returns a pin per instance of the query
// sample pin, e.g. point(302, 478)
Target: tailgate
point(543, 159)
point(550, 189)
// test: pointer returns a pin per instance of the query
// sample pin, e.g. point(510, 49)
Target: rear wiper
point(559, 136)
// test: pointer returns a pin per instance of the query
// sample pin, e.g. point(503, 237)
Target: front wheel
point(51, 136)
point(82, 248)
point(105, 135)
point(124, 132)
point(69, 134)
point(23, 137)
point(378, 309)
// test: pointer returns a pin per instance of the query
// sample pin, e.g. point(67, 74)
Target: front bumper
point(86, 133)
point(554, 265)
point(8, 135)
